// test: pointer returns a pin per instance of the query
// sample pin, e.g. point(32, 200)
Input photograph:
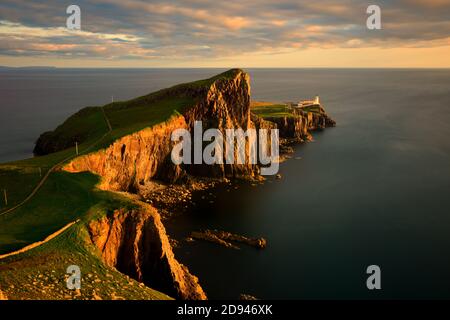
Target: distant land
point(28, 67)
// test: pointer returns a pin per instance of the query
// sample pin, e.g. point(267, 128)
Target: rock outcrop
point(294, 127)
point(224, 238)
point(226, 105)
point(135, 241)
point(300, 124)
point(136, 244)
point(134, 160)
point(317, 121)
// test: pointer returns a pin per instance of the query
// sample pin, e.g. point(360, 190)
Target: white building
point(309, 103)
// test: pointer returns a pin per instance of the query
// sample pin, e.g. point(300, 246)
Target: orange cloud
point(235, 23)
point(53, 47)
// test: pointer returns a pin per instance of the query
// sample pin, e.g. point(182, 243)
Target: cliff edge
point(136, 244)
point(137, 152)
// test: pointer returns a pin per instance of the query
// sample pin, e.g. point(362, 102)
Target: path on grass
point(52, 169)
point(39, 243)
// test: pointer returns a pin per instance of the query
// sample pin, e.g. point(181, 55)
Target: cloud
point(16, 38)
point(135, 29)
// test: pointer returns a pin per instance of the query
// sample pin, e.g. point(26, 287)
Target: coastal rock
point(295, 127)
point(223, 237)
point(135, 243)
point(321, 120)
point(136, 159)
point(298, 127)
point(226, 105)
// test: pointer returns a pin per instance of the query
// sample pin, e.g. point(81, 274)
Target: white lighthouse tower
point(317, 100)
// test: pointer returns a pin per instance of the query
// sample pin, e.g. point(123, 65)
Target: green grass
point(90, 129)
point(18, 183)
point(62, 199)
point(207, 82)
point(125, 121)
point(66, 197)
point(313, 109)
point(272, 110)
point(41, 272)
point(88, 125)
point(19, 178)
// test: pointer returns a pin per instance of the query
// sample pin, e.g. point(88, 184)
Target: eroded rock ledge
point(225, 238)
point(135, 243)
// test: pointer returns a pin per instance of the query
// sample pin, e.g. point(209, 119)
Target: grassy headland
point(65, 197)
point(269, 109)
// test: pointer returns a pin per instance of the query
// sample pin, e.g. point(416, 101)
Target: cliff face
point(226, 105)
point(135, 243)
point(135, 159)
point(300, 125)
point(319, 120)
point(292, 127)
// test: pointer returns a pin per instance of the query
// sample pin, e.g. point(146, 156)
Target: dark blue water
point(373, 190)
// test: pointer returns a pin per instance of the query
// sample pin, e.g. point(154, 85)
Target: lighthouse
point(309, 103)
point(317, 100)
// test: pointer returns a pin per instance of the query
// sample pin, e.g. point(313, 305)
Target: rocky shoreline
point(171, 199)
point(225, 239)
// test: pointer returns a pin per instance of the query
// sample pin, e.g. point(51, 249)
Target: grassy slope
point(41, 273)
point(268, 109)
point(86, 125)
point(62, 199)
point(275, 110)
point(125, 117)
point(66, 197)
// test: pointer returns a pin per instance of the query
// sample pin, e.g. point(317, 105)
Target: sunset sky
point(250, 33)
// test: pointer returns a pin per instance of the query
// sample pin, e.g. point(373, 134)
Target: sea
point(374, 190)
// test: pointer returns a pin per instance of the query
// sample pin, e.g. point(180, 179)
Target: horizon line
point(221, 67)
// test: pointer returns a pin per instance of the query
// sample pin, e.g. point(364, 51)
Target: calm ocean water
point(373, 190)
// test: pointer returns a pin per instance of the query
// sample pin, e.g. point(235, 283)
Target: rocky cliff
point(134, 160)
point(300, 124)
point(135, 243)
point(294, 127)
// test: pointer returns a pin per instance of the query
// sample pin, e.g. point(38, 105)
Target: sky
point(231, 33)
